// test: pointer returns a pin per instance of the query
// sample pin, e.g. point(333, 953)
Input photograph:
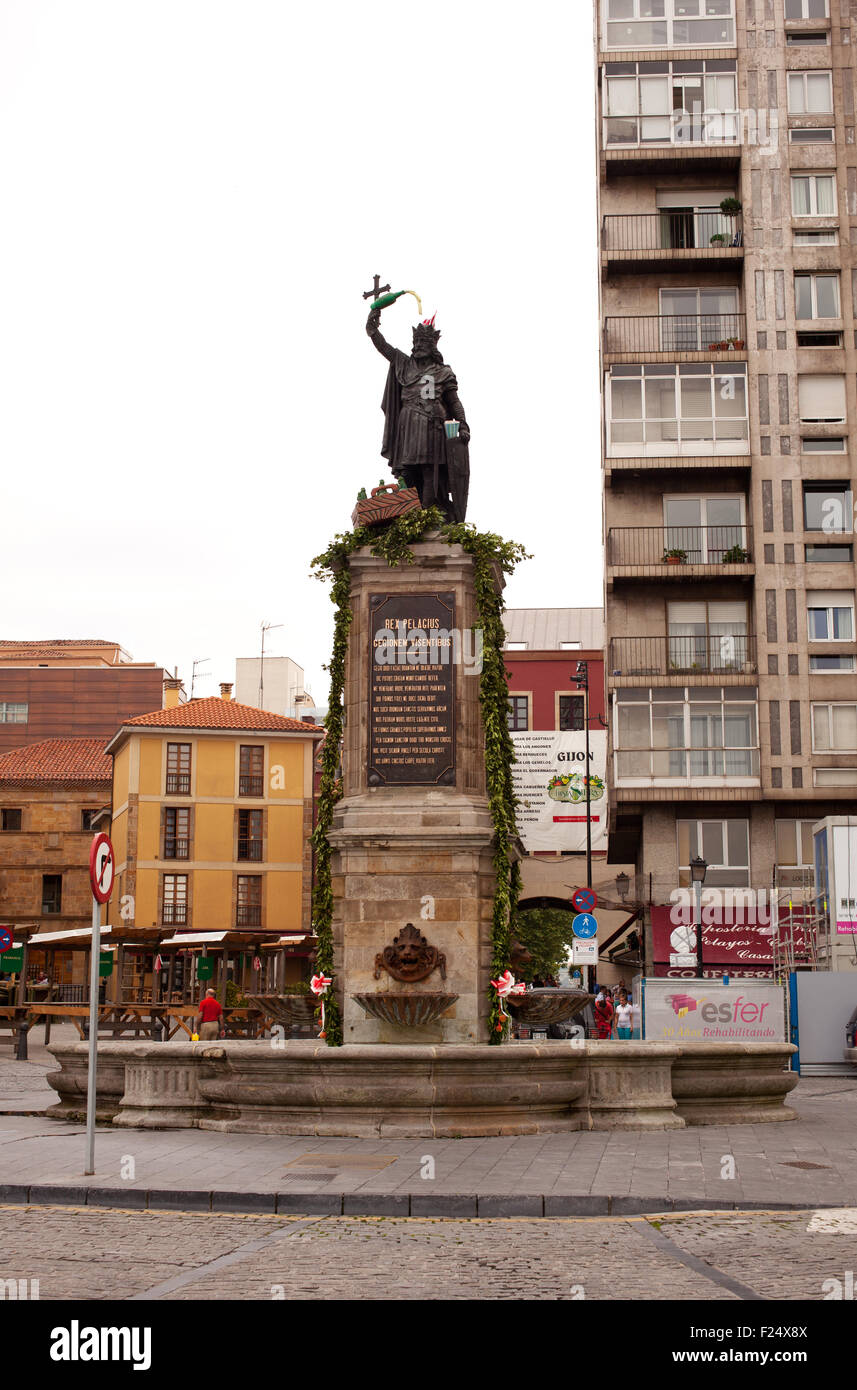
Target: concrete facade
point(723, 645)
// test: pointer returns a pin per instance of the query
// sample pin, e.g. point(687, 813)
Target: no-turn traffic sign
point(5, 939)
point(101, 868)
point(584, 900)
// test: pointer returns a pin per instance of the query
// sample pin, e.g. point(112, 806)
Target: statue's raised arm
point(373, 328)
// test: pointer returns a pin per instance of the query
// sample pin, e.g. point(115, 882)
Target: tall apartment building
point(730, 418)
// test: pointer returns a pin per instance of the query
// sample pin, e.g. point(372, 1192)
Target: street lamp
point(698, 869)
point(622, 885)
point(581, 680)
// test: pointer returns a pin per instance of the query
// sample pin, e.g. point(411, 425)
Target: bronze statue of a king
point(425, 431)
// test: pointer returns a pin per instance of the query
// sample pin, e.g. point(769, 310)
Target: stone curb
point(416, 1204)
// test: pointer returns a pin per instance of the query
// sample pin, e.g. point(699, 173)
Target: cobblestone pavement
point(80, 1254)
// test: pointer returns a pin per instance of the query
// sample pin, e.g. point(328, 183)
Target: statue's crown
point(427, 330)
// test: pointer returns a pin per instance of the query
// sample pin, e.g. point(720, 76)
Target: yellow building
point(212, 817)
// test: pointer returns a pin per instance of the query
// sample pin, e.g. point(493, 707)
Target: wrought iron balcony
point(730, 653)
point(716, 549)
point(178, 782)
point(176, 848)
point(705, 234)
point(250, 785)
point(676, 333)
point(174, 914)
point(249, 849)
point(249, 915)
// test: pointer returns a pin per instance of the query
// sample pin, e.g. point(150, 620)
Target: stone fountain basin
point(545, 1006)
point(405, 1009)
point(288, 1009)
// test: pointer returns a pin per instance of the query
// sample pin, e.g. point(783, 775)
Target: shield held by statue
point(458, 473)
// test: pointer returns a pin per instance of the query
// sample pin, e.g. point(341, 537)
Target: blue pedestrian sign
point(584, 925)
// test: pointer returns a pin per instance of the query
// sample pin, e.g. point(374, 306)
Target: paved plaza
point(802, 1164)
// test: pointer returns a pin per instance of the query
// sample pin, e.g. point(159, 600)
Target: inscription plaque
point(411, 689)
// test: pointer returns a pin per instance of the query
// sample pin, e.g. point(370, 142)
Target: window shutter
point(821, 397)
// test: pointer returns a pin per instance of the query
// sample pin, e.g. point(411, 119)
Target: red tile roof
point(73, 760)
point(57, 642)
point(215, 713)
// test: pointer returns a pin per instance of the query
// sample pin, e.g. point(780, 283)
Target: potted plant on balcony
point(735, 555)
point(676, 556)
point(719, 239)
point(736, 343)
point(730, 207)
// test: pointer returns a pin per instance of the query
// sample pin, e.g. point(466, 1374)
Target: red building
point(543, 647)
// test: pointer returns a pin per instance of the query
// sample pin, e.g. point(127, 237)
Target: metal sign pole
point(95, 957)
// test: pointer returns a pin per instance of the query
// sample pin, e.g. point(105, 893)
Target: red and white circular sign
point(101, 868)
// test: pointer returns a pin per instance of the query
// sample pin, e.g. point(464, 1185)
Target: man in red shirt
point(210, 1017)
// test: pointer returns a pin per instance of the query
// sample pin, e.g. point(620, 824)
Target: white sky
point(195, 194)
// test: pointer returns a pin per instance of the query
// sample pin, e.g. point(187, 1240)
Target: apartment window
point(686, 408)
point(51, 893)
point(177, 832)
point(12, 712)
point(178, 768)
point(823, 446)
point(572, 713)
point(821, 399)
point(810, 93)
point(708, 635)
point(87, 819)
point(251, 771)
point(570, 646)
point(250, 835)
point(813, 195)
point(693, 319)
point(723, 844)
point(834, 777)
point(811, 135)
point(824, 236)
point(516, 646)
point(828, 507)
point(794, 852)
point(834, 728)
point(668, 23)
point(816, 296)
point(805, 38)
point(829, 554)
point(249, 901)
point(673, 735)
point(175, 900)
point(519, 712)
point(666, 103)
point(807, 9)
point(831, 665)
point(830, 615)
point(10, 819)
point(705, 528)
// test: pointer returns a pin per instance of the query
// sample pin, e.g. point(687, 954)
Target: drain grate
point(804, 1163)
point(371, 1162)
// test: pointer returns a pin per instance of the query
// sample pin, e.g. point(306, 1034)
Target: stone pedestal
point(412, 837)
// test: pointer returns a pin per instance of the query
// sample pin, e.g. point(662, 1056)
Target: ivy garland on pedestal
point(392, 542)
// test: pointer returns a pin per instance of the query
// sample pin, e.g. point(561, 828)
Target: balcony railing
point(672, 764)
point(675, 333)
point(249, 849)
point(175, 914)
point(178, 782)
point(176, 848)
point(680, 128)
point(722, 654)
point(691, 545)
point(250, 785)
point(671, 231)
point(249, 915)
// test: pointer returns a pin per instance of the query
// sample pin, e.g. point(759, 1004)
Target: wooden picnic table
point(239, 1023)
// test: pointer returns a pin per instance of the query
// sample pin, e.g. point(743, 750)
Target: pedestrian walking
point(603, 1015)
point(624, 1016)
point(210, 1017)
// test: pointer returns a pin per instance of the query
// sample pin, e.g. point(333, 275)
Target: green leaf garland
point(393, 542)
